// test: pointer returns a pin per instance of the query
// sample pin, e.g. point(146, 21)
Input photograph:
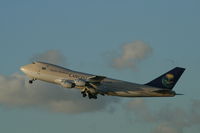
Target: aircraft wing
point(95, 79)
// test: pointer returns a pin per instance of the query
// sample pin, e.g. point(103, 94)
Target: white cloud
point(51, 56)
point(165, 128)
point(168, 119)
point(131, 54)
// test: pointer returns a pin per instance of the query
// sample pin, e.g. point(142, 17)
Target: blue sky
point(85, 32)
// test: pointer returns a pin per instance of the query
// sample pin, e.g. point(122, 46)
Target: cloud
point(131, 54)
point(51, 56)
point(15, 91)
point(168, 119)
point(139, 107)
point(165, 128)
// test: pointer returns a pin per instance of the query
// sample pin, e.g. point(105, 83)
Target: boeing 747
point(92, 85)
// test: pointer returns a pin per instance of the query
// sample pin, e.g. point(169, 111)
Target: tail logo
point(168, 80)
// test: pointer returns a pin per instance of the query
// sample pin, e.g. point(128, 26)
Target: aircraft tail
point(167, 80)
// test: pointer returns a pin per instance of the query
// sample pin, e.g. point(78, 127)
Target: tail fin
point(167, 80)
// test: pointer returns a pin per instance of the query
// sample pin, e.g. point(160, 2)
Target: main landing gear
point(83, 93)
point(94, 96)
point(90, 95)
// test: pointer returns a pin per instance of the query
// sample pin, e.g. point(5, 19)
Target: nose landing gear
point(31, 81)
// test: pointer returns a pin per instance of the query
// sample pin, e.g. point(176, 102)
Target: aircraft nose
point(23, 69)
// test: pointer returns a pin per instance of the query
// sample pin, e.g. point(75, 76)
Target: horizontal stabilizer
point(179, 94)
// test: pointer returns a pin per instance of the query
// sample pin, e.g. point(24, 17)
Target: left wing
point(90, 86)
point(95, 79)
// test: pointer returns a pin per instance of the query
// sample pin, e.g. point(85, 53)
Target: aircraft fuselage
point(62, 76)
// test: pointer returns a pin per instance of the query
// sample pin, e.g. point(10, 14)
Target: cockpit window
point(44, 68)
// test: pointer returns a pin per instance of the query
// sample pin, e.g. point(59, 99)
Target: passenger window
point(43, 68)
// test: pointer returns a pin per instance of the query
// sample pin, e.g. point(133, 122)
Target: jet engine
point(67, 84)
point(79, 82)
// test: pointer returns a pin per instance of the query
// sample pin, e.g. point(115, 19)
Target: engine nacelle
point(79, 82)
point(67, 84)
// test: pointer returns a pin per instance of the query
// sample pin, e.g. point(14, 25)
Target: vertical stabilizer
point(167, 80)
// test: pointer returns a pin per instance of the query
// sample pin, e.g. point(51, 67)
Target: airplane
point(92, 85)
